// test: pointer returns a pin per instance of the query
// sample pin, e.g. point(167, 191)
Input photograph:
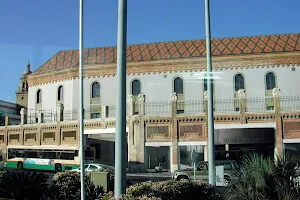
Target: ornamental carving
point(161, 131)
point(276, 92)
point(291, 130)
point(173, 97)
point(191, 132)
point(241, 93)
point(141, 98)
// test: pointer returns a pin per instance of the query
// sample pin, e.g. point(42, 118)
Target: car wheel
point(58, 167)
point(226, 181)
point(20, 165)
point(182, 178)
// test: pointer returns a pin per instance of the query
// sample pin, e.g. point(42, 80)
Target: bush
point(175, 190)
point(23, 185)
point(66, 185)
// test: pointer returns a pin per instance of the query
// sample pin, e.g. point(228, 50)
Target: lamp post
point(210, 118)
point(120, 146)
point(81, 103)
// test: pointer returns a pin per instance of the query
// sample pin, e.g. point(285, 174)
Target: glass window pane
point(96, 90)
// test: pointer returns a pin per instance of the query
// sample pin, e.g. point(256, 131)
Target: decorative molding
point(291, 129)
point(247, 61)
point(191, 132)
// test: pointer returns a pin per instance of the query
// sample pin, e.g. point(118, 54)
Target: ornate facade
point(178, 119)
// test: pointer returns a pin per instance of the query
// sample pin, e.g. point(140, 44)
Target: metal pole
point(120, 146)
point(211, 138)
point(81, 103)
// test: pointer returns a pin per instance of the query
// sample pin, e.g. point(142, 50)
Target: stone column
point(23, 114)
point(59, 112)
point(174, 104)
point(7, 121)
point(278, 121)
point(130, 105)
point(242, 105)
point(141, 101)
point(104, 112)
point(40, 117)
point(174, 149)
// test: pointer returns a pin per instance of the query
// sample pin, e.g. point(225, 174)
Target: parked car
point(230, 167)
point(93, 167)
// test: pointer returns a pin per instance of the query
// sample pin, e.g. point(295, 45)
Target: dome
point(27, 71)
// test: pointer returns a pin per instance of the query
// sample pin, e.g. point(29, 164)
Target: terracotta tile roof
point(178, 49)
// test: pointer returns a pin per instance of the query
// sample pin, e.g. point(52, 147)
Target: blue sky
point(36, 29)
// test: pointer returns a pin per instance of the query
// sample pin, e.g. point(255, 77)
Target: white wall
point(156, 87)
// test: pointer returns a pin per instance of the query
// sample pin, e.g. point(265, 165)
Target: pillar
point(59, 112)
point(278, 121)
point(40, 117)
point(130, 105)
point(242, 105)
point(23, 114)
point(174, 149)
point(141, 102)
point(104, 112)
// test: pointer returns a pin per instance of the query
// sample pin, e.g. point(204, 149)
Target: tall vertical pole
point(120, 146)
point(211, 138)
point(81, 103)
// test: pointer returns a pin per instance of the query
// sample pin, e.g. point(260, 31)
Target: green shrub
point(23, 185)
point(175, 190)
point(66, 186)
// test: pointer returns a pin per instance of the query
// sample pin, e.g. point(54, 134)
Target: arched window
point(60, 93)
point(178, 85)
point(270, 81)
point(23, 87)
point(39, 96)
point(239, 82)
point(136, 87)
point(95, 90)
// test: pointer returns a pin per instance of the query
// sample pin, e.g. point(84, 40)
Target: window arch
point(270, 81)
point(135, 87)
point(239, 82)
point(23, 87)
point(39, 96)
point(95, 90)
point(60, 93)
point(178, 85)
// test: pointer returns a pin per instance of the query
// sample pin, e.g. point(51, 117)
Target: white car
point(90, 168)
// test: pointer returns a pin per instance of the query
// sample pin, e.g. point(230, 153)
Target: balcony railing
point(259, 104)
point(158, 108)
point(164, 108)
point(290, 103)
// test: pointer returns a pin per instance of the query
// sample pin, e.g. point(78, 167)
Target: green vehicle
point(50, 158)
point(230, 167)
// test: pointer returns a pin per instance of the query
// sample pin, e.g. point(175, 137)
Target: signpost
point(193, 157)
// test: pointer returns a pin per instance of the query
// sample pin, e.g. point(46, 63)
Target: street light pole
point(211, 138)
point(81, 103)
point(120, 146)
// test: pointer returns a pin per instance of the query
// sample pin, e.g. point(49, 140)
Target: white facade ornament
point(141, 98)
point(173, 96)
point(276, 92)
point(130, 98)
point(205, 94)
point(241, 93)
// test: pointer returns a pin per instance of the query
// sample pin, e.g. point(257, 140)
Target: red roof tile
point(179, 49)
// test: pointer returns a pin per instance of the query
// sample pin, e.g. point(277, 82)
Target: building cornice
point(167, 66)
